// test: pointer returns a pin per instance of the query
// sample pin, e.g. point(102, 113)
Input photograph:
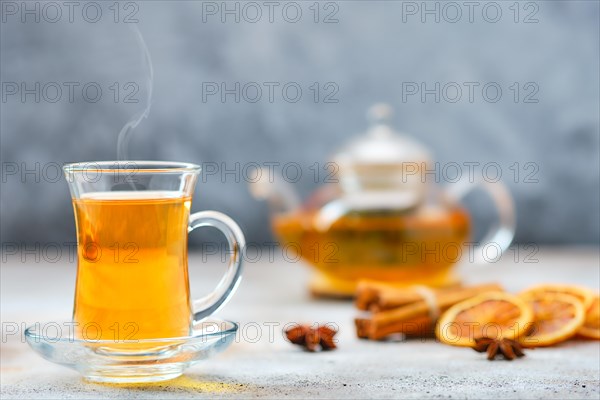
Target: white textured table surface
point(274, 294)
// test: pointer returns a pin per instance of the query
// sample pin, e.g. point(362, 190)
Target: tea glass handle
point(209, 304)
point(501, 234)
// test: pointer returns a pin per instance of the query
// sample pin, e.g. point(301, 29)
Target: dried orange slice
point(591, 326)
point(585, 295)
point(557, 317)
point(491, 314)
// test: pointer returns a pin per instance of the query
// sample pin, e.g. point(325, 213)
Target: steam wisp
point(125, 133)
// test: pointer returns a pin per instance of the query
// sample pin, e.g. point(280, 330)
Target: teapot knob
point(380, 113)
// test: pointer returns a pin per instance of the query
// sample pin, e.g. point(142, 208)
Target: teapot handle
point(501, 234)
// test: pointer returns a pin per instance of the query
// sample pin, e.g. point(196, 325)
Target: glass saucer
point(128, 361)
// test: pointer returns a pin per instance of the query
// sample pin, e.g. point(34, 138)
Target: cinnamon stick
point(363, 327)
point(378, 297)
point(418, 327)
point(402, 319)
point(370, 294)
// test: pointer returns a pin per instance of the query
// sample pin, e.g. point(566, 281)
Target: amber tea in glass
point(133, 220)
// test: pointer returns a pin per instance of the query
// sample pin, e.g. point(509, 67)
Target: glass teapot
point(384, 218)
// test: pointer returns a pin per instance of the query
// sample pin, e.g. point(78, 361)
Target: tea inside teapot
point(405, 246)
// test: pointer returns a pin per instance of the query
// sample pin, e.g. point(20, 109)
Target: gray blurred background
point(362, 50)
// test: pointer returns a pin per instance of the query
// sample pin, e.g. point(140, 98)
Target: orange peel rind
point(492, 314)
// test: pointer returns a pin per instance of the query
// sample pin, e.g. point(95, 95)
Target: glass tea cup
point(133, 220)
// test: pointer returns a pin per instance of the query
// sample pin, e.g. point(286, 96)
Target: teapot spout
point(281, 196)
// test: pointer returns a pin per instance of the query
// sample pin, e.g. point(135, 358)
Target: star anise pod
point(312, 338)
point(509, 348)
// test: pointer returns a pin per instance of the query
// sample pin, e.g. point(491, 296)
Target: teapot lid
point(381, 145)
point(382, 158)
